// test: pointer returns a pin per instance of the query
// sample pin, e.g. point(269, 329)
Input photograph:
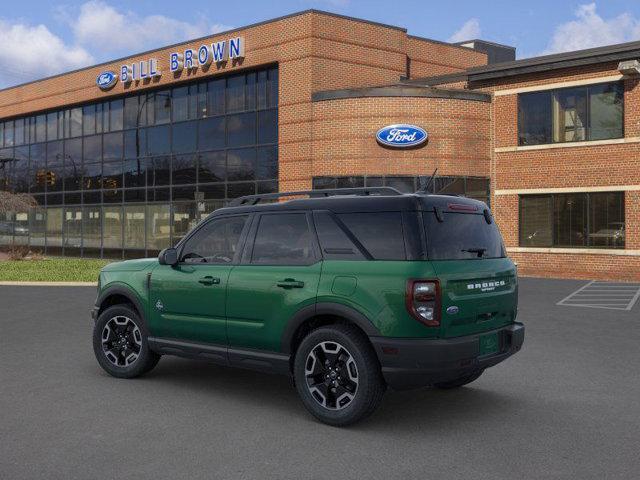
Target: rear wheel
point(337, 375)
point(459, 382)
point(120, 343)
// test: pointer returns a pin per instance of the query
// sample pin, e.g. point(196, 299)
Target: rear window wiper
point(479, 251)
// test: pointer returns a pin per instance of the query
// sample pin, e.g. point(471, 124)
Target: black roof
point(590, 56)
point(352, 203)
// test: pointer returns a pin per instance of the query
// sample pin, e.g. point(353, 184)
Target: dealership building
point(123, 158)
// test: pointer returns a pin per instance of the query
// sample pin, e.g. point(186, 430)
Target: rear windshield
point(462, 236)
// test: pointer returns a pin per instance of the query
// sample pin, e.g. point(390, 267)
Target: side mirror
point(168, 256)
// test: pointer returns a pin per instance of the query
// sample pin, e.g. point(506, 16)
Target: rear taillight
point(423, 301)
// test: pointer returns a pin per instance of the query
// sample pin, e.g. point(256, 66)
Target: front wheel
point(337, 375)
point(120, 343)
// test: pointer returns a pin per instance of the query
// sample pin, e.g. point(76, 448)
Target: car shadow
point(426, 407)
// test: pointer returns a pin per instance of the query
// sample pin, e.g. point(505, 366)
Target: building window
point(573, 220)
point(593, 112)
point(471, 187)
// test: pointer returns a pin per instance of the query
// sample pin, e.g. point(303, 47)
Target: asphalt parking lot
point(567, 406)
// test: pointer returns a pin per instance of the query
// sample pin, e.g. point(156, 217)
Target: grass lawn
point(52, 270)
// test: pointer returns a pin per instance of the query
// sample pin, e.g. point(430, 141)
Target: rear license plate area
point(489, 344)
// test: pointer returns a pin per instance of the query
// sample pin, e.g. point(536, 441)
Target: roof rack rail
point(255, 199)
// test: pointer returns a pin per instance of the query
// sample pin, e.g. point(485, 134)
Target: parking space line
point(613, 296)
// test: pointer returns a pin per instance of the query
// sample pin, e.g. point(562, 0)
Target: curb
point(49, 284)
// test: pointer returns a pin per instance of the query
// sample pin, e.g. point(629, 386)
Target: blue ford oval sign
point(106, 80)
point(401, 136)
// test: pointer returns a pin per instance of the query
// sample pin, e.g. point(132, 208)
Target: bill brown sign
point(189, 59)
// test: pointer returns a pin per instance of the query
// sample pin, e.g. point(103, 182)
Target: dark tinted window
point(380, 233)
point(283, 239)
point(216, 242)
point(334, 242)
point(462, 236)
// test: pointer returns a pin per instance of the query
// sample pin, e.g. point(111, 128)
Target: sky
point(39, 38)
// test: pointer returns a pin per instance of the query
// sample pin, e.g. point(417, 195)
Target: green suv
point(348, 291)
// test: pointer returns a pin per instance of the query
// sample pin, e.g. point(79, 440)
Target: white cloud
point(105, 29)
point(469, 31)
point(28, 52)
point(591, 30)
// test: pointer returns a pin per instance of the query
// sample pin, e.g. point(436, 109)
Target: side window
point(283, 239)
point(379, 232)
point(334, 242)
point(216, 242)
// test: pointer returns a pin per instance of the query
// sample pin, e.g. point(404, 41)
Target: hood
point(131, 265)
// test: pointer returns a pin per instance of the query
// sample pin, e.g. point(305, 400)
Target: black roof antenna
point(424, 185)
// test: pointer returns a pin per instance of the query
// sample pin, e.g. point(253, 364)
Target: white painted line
point(633, 300)
point(579, 290)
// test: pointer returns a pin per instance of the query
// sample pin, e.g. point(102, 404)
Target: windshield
point(462, 236)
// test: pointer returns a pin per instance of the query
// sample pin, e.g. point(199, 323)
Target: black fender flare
point(325, 308)
point(125, 292)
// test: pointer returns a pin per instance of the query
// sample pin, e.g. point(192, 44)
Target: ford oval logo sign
point(106, 80)
point(401, 136)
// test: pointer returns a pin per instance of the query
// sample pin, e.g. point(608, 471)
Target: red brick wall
point(429, 58)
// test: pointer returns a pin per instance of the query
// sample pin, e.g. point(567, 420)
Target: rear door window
point(283, 239)
point(462, 236)
point(379, 232)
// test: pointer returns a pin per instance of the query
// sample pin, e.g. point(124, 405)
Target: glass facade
point(130, 176)
point(472, 187)
point(573, 220)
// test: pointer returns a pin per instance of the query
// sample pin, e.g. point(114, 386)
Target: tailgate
point(477, 295)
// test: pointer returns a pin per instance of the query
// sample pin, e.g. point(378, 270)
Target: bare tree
point(16, 202)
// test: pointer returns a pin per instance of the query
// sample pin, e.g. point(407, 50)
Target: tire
point(122, 329)
point(337, 375)
point(459, 382)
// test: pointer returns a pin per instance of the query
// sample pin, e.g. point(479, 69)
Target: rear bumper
point(411, 363)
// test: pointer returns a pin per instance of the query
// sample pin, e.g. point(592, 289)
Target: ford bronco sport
point(348, 291)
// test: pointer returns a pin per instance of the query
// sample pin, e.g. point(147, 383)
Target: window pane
point(606, 104)
point(112, 145)
point(380, 233)
point(241, 129)
point(453, 185)
point(570, 218)
point(534, 118)
point(267, 163)
point(92, 176)
point(201, 103)
point(112, 227)
point(179, 99)
point(8, 134)
point(211, 133)
point(241, 189)
point(92, 228)
point(283, 239)
point(241, 164)
point(268, 126)
point(235, 93)
point(606, 220)
point(184, 219)
point(160, 172)
point(158, 227)
point(134, 227)
point(41, 129)
point(112, 175)
point(158, 140)
point(73, 164)
point(350, 182)
point(135, 143)
point(116, 119)
point(37, 227)
point(130, 112)
point(334, 242)
point(162, 109)
point(92, 149)
point(55, 171)
point(54, 227)
point(403, 184)
point(272, 92)
point(184, 169)
point(261, 89)
point(570, 115)
point(89, 120)
point(216, 242)
point(19, 131)
point(536, 217)
point(75, 123)
point(452, 238)
point(135, 173)
point(212, 167)
point(250, 91)
point(21, 169)
point(184, 137)
point(215, 90)
point(72, 229)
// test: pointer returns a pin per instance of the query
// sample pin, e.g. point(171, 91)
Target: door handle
point(290, 283)
point(209, 280)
